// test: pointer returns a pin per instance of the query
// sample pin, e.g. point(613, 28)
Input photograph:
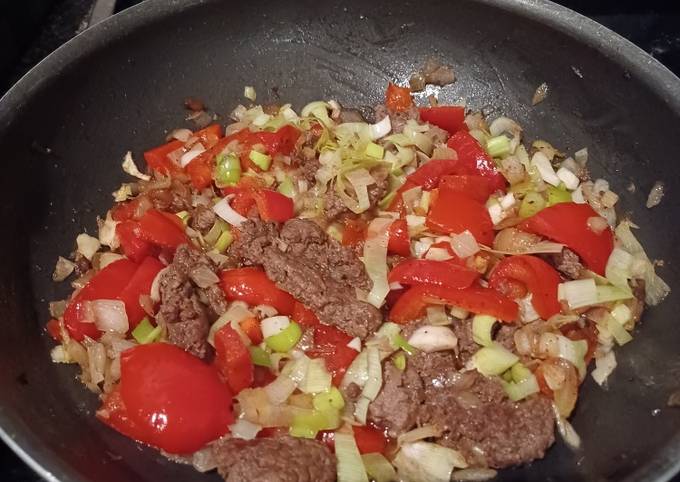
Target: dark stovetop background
point(31, 29)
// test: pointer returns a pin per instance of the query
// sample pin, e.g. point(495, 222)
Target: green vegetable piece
point(498, 146)
point(494, 359)
point(286, 339)
point(228, 170)
point(184, 216)
point(375, 150)
point(518, 390)
point(260, 357)
point(224, 241)
point(308, 423)
point(558, 195)
point(482, 325)
point(387, 200)
point(331, 399)
point(379, 468)
point(507, 376)
point(214, 234)
point(520, 372)
point(286, 187)
point(263, 161)
point(532, 203)
point(400, 342)
point(399, 361)
point(145, 332)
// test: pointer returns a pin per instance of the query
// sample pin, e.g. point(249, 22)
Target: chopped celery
point(332, 399)
point(494, 359)
point(260, 357)
point(286, 339)
point(145, 332)
point(263, 161)
point(482, 326)
point(520, 372)
point(558, 195)
point(498, 146)
point(400, 342)
point(399, 361)
point(532, 203)
point(228, 170)
point(184, 216)
point(375, 150)
point(224, 241)
point(286, 187)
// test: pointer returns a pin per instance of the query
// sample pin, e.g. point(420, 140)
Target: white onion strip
point(224, 210)
point(375, 259)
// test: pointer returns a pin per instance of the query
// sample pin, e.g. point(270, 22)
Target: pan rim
point(636, 61)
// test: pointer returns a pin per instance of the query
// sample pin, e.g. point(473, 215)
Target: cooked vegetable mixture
point(411, 294)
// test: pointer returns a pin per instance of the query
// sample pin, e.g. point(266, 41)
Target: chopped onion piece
point(196, 150)
point(63, 269)
point(280, 389)
point(577, 196)
point(436, 316)
point(519, 390)
point(130, 167)
point(110, 316)
point(417, 434)
point(350, 466)
point(527, 312)
point(597, 224)
point(379, 469)
point(464, 244)
point(274, 325)
point(482, 326)
point(581, 156)
point(565, 429)
point(545, 169)
point(507, 201)
point(374, 380)
point(225, 211)
point(381, 129)
point(375, 259)
point(427, 462)
point(473, 475)
point(155, 292)
point(543, 247)
point(655, 194)
point(182, 135)
point(578, 293)
point(355, 344)
point(493, 359)
point(249, 92)
point(568, 178)
point(433, 338)
point(619, 268)
point(87, 245)
point(604, 366)
point(540, 94)
point(437, 254)
point(107, 232)
point(244, 429)
point(495, 213)
point(316, 379)
point(360, 179)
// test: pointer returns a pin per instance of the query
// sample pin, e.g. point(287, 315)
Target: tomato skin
point(232, 359)
point(139, 284)
point(476, 187)
point(399, 241)
point(331, 345)
point(539, 277)
point(369, 439)
point(427, 271)
point(451, 118)
point(170, 399)
point(273, 206)
point(411, 305)
point(106, 284)
point(304, 316)
point(252, 286)
point(161, 229)
point(473, 159)
point(398, 99)
point(567, 223)
point(468, 214)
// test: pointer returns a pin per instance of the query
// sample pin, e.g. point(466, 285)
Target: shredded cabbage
point(375, 259)
point(427, 462)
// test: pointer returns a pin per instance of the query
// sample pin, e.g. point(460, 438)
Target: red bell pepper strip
point(107, 284)
point(476, 187)
point(162, 229)
point(331, 345)
point(252, 286)
point(399, 241)
point(139, 284)
point(157, 158)
point(567, 223)
point(412, 304)
point(454, 212)
point(232, 359)
point(273, 206)
point(282, 141)
point(304, 316)
point(398, 99)
point(369, 439)
point(53, 330)
point(539, 277)
point(132, 245)
point(427, 176)
point(473, 159)
point(169, 399)
point(451, 118)
point(427, 271)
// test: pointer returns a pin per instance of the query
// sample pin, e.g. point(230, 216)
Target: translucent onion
point(375, 259)
point(427, 462)
point(130, 168)
point(420, 433)
point(350, 466)
point(433, 338)
point(464, 244)
point(604, 366)
point(225, 211)
point(87, 245)
point(110, 316)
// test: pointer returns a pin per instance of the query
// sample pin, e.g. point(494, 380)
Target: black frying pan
point(120, 85)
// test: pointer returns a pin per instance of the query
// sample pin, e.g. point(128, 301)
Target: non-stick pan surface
point(65, 127)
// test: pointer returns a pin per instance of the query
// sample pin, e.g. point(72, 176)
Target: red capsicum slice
point(232, 359)
point(107, 284)
point(454, 212)
point(399, 241)
point(162, 229)
point(273, 206)
point(304, 316)
point(426, 176)
point(138, 285)
point(169, 399)
point(539, 277)
point(476, 187)
point(412, 304)
point(252, 286)
point(132, 245)
point(427, 271)
point(331, 345)
point(451, 118)
point(473, 159)
point(567, 223)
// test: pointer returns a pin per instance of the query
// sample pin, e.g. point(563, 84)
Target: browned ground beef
point(176, 198)
point(279, 459)
point(334, 206)
point(475, 414)
point(202, 219)
point(188, 318)
point(304, 261)
point(568, 263)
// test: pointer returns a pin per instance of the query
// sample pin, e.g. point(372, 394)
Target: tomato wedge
point(451, 118)
point(539, 277)
point(411, 305)
point(427, 271)
point(467, 213)
point(567, 223)
point(252, 286)
point(168, 399)
point(232, 359)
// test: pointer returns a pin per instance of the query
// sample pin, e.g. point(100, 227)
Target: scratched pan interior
point(65, 126)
